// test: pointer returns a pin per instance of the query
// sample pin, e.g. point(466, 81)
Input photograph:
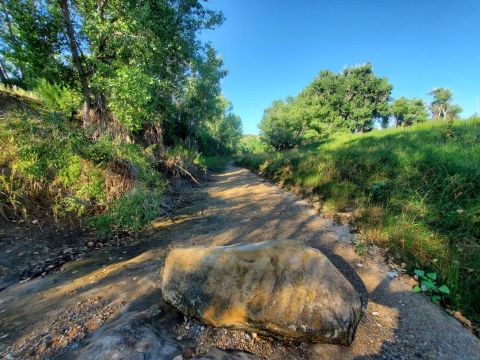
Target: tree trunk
point(87, 108)
point(3, 73)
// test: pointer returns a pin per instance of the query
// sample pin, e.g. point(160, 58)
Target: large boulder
point(278, 288)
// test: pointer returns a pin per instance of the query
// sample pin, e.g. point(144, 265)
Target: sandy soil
point(106, 304)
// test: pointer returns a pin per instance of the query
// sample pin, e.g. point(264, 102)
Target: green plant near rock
point(427, 282)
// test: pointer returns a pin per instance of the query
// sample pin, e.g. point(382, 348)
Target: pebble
point(375, 313)
point(360, 265)
point(392, 274)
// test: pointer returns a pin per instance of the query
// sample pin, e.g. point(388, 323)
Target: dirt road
point(112, 295)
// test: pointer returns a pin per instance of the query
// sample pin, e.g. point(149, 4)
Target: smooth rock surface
point(279, 288)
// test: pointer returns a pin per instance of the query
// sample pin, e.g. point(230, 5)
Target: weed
point(427, 282)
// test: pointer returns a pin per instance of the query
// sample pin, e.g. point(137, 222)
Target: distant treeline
point(354, 100)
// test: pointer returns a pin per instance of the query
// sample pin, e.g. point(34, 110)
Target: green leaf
point(436, 298)
point(444, 289)
point(428, 284)
point(432, 275)
point(416, 289)
point(419, 272)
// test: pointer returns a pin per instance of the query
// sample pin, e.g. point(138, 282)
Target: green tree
point(407, 112)
point(31, 42)
point(281, 125)
point(351, 100)
point(222, 133)
point(441, 105)
point(140, 67)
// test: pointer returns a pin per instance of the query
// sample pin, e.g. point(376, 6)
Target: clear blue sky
point(274, 48)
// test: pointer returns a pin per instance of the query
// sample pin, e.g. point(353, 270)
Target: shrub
point(57, 98)
point(131, 212)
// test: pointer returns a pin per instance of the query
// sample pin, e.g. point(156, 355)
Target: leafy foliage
point(49, 166)
point(441, 106)
point(140, 67)
point(58, 98)
point(350, 101)
point(428, 283)
point(281, 127)
point(408, 111)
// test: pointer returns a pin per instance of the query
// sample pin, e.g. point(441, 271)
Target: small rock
point(34, 221)
point(90, 244)
point(188, 353)
point(360, 265)
point(392, 274)
point(375, 313)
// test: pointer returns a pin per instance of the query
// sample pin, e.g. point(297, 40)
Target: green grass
point(49, 166)
point(415, 190)
point(216, 163)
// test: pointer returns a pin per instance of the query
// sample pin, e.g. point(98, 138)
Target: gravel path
point(55, 315)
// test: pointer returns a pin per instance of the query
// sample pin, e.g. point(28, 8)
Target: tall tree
point(441, 105)
point(352, 100)
point(82, 74)
point(408, 111)
point(281, 127)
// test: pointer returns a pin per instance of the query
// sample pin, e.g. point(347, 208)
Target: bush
point(57, 98)
point(48, 164)
point(131, 212)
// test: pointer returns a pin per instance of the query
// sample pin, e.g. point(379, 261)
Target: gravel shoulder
point(107, 303)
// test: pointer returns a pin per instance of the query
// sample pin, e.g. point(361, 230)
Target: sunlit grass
point(14, 90)
point(416, 191)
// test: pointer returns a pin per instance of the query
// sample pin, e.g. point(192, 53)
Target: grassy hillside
point(415, 191)
point(51, 167)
